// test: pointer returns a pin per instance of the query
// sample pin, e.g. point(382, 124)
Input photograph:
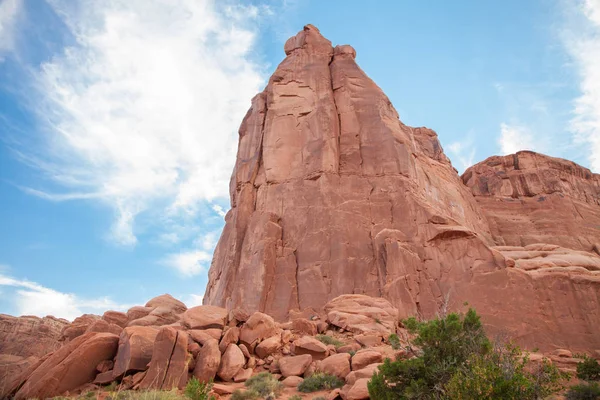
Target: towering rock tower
point(333, 194)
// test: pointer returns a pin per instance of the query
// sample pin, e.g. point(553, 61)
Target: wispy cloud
point(582, 41)
point(142, 113)
point(9, 10)
point(31, 298)
point(462, 153)
point(514, 138)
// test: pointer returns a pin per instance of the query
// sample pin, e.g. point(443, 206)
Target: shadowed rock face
point(532, 198)
point(332, 194)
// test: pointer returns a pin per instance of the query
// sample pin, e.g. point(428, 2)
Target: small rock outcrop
point(30, 336)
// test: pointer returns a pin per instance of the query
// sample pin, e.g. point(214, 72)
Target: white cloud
point(582, 42)
point(9, 10)
point(142, 114)
point(193, 300)
point(31, 298)
point(188, 263)
point(219, 210)
point(463, 153)
point(515, 138)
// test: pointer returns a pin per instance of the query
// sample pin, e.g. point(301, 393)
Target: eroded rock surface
point(332, 194)
point(532, 198)
point(30, 336)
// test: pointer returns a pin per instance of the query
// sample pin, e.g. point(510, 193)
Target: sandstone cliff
point(532, 198)
point(333, 194)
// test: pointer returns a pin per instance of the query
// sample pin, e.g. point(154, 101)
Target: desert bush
point(244, 395)
point(320, 381)
point(584, 391)
point(196, 390)
point(265, 385)
point(325, 339)
point(394, 341)
point(146, 395)
point(457, 361)
point(502, 374)
point(588, 369)
point(295, 397)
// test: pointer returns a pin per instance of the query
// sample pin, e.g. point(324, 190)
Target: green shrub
point(588, 369)
point(245, 395)
point(146, 395)
point(196, 390)
point(457, 362)
point(584, 391)
point(394, 341)
point(502, 374)
point(320, 381)
point(329, 340)
point(295, 397)
point(265, 385)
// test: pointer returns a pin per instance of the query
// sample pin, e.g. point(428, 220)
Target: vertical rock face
point(332, 194)
point(325, 173)
point(532, 198)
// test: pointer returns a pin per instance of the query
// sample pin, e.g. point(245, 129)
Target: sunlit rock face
point(332, 194)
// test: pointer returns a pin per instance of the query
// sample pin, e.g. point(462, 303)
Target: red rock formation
point(532, 198)
point(69, 367)
point(30, 336)
point(324, 169)
point(331, 194)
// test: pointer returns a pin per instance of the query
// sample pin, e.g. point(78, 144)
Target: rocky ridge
point(206, 343)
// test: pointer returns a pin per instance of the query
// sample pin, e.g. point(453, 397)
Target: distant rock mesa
point(332, 194)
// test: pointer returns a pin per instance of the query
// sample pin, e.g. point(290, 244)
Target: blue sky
point(118, 119)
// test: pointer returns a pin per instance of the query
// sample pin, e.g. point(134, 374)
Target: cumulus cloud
point(582, 42)
point(9, 10)
point(31, 298)
point(515, 138)
point(189, 263)
point(142, 113)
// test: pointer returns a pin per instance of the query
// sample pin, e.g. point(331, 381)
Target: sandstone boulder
point(294, 365)
point(365, 357)
point(305, 326)
point(208, 361)
point(366, 372)
point(268, 346)
point(135, 349)
point(69, 367)
point(232, 335)
point(168, 366)
point(168, 302)
point(309, 345)
point(116, 317)
point(258, 327)
point(232, 362)
point(205, 317)
point(359, 391)
point(362, 314)
point(337, 364)
point(138, 312)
